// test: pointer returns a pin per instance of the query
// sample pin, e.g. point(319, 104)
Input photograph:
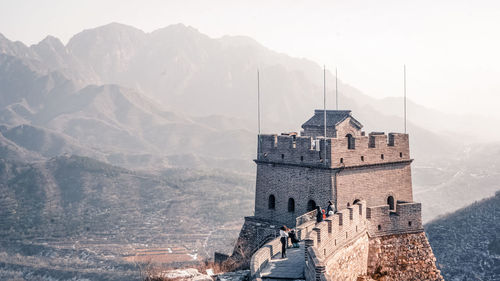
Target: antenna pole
point(336, 91)
point(258, 99)
point(404, 76)
point(324, 99)
point(258, 111)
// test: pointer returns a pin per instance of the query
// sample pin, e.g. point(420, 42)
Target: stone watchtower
point(295, 173)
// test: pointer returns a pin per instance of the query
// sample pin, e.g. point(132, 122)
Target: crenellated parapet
point(291, 149)
point(337, 230)
point(406, 218)
point(332, 241)
point(376, 148)
point(337, 248)
point(340, 152)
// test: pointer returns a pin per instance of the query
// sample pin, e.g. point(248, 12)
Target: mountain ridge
point(174, 110)
point(465, 241)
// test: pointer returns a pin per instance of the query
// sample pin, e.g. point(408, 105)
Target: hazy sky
point(451, 47)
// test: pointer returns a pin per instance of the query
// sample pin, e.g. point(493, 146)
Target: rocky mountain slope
point(466, 243)
point(165, 122)
point(74, 216)
point(47, 115)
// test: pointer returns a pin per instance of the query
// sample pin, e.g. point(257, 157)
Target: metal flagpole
point(324, 98)
point(258, 98)
point(404, 75)
point(336, 91)
point(258, 111)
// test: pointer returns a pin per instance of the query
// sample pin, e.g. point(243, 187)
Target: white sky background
point(451, 47)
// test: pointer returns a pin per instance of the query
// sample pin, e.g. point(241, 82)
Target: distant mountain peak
point(52, 42)
point(115, 26)
point(178, 28)
point(109, 32)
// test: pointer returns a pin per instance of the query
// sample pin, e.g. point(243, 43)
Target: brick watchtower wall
point(371, 168)
point(375, 167)
point(295, 173)
point(293, 187)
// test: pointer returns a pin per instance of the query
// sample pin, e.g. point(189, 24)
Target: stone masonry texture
point(301, 184)
point(402, 257)
point(374, 185)
point(350, 261)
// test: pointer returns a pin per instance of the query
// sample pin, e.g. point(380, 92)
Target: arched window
point(390, 202)
point(291, 205)
point(311, 205)
point(272, 202)
point(350, 141)
point(355, 201)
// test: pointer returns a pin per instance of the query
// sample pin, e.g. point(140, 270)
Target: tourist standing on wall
point(293, 238)
point(284, 240)
point(319, 214)
point(330, 210)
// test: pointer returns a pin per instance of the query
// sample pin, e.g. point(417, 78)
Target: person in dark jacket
point(293, 238)
point(283, 240)
point(319, 214)
point(330, 210)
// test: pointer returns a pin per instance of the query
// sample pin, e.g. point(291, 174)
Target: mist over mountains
point(170, 116)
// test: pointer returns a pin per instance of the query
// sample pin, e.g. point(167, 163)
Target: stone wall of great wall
point(254, 234)
point(262, 255)
point(350, 245)
point(340, 238)
point(402, 257)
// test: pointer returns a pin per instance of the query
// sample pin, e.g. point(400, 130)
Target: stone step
point(289, 268)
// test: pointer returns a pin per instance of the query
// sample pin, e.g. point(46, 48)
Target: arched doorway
point(291, 205)
point(272, 202)
point(350, 141)
point(311, 205)
point(390, 202)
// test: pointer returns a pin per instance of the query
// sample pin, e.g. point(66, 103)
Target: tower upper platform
point(344, 146)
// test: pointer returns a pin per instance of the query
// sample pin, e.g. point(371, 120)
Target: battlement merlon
point(342, 152)
point(406, 218)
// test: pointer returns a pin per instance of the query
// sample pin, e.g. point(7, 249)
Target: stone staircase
point(289, 268)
